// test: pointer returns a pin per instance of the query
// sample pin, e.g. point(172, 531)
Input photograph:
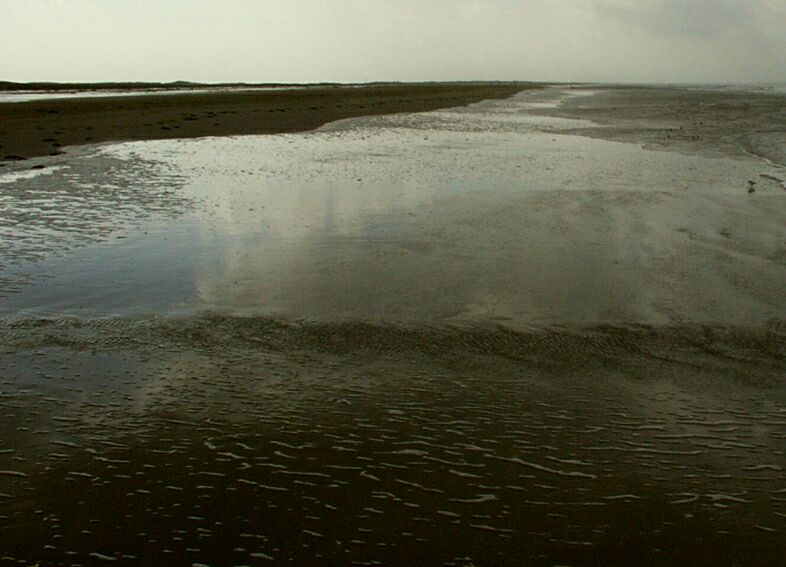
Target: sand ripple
point(190, 441)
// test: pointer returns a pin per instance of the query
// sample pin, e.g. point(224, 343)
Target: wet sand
point(40, 128)
point(465, 337)
point(249, 441)
point(705, 122)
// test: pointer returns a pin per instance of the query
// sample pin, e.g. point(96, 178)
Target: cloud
point(703, 40)
point(698, 19)
point(366, 40)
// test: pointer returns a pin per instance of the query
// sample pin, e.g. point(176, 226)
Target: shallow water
point(463, 337)
point(479, 214)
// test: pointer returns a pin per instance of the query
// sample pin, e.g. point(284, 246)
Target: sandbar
point(44, 127)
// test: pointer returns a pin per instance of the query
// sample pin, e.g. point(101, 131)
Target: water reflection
point(393, 218)
point(479, 214)
point(335, 441)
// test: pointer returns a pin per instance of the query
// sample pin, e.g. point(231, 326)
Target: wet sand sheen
point(498, 344)
point(260, 440)
point(476, 215)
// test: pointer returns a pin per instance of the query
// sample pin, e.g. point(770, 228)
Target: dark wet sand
point(44, 127)
point(226, 440)
point(232, 441)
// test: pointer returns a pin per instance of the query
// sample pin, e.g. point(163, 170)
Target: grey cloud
point(695, 19)
point(363, 40)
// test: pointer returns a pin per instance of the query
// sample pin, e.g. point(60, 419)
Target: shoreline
point(467, 334)
point(43, 127)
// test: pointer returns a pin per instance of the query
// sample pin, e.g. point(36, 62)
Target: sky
point(652, 41)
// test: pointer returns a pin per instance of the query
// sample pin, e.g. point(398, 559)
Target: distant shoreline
point(128, 86)
point(43, 127)
point(186, 85)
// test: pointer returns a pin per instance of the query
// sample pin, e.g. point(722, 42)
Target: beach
point(542, 328)
point(43, 127)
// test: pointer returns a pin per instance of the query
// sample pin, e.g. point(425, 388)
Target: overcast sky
point(409, 40)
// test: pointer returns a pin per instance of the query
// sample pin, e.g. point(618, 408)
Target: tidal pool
point(485, 213)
